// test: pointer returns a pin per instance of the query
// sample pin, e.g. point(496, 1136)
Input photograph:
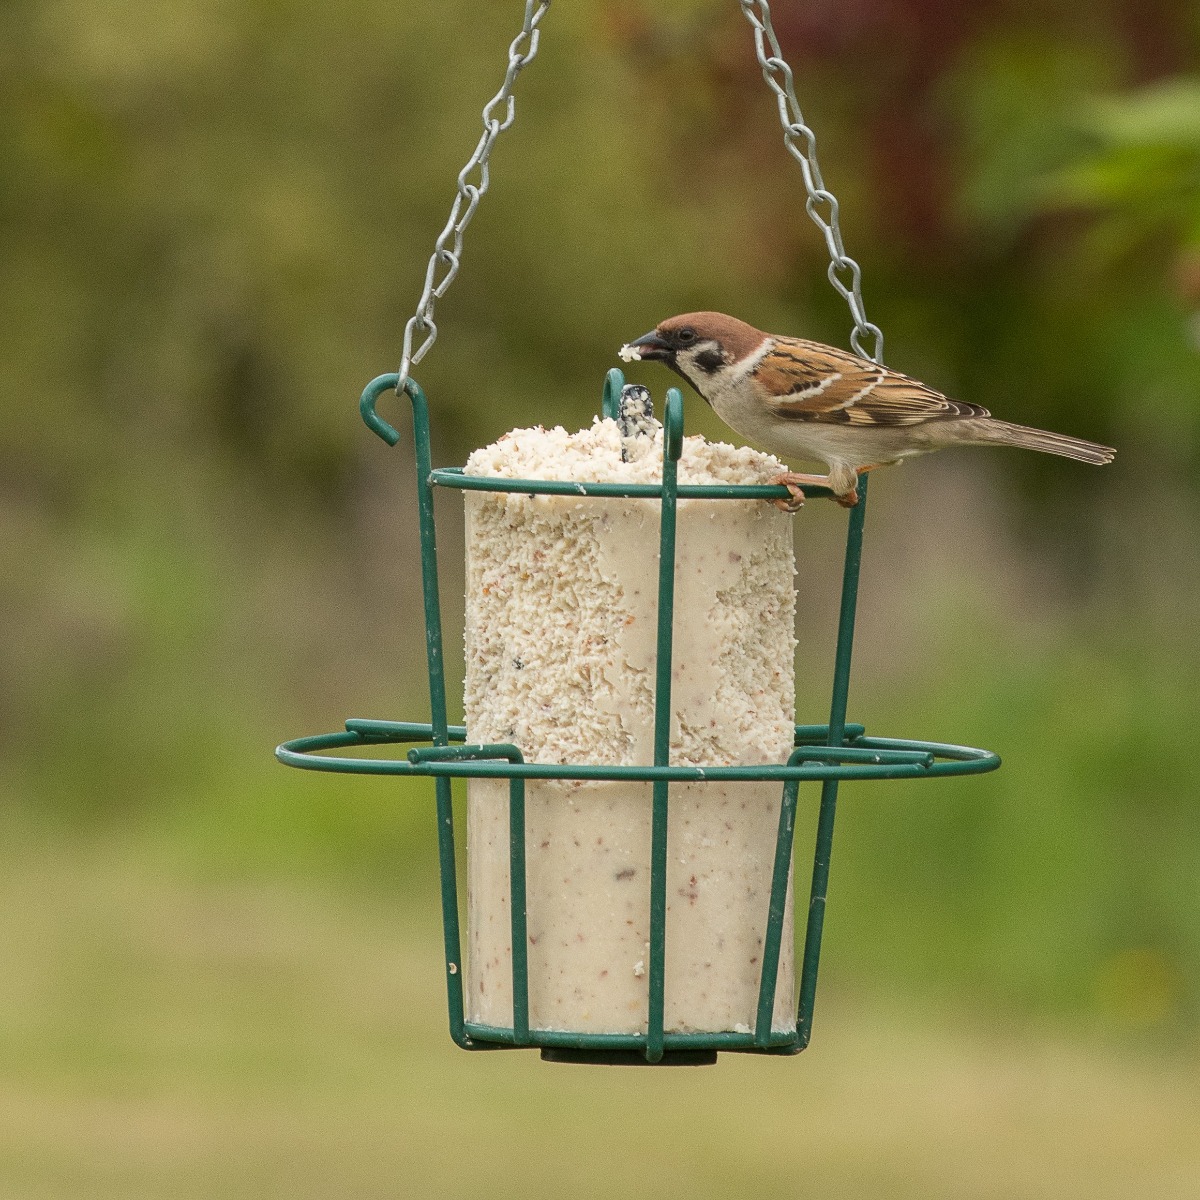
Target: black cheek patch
point(710, 361)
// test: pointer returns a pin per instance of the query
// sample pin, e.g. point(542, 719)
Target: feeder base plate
point(628, 1058)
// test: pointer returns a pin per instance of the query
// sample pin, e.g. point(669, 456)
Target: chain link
point(844, 273)
point(822, 206)
point(447, 254)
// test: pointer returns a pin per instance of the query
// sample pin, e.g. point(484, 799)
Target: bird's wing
point(806, 381)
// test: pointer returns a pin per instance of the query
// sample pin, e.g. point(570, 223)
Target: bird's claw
point(795, 501)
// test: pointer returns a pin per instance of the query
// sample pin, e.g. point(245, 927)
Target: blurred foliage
point(1144, 165)
point(215, 219)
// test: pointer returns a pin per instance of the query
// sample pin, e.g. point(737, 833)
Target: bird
point(801, 398)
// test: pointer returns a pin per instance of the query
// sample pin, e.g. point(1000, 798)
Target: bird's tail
point(1005, 434)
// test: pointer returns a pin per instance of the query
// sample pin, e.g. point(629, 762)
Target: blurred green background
point(221, 978)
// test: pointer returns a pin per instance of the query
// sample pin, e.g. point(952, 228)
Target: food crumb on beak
point(629, 353)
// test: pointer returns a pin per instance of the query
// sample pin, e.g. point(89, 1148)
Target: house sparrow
point(796, 397)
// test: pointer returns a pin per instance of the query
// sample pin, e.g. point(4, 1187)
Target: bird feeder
point(639, 1001)
point(824, 754)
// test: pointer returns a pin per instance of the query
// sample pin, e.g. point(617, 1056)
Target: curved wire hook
point(673, 425)
point(370, 397)
point(610, 402)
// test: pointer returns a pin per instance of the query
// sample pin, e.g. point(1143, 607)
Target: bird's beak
point(649, 347)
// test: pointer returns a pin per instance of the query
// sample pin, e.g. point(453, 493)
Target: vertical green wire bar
point(829, 789)
point(776, 910)
point(519, 905)
point(437, 710)
point(672, 448)
point(437, 675)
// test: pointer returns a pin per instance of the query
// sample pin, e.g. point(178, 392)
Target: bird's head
point(697, 345)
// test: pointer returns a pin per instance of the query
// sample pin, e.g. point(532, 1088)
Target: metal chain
point(447, 255)
point(822, 206)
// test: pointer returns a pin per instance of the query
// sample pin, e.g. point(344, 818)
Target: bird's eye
point(686, 336)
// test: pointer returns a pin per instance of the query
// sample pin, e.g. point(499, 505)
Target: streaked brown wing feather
point(811, 382)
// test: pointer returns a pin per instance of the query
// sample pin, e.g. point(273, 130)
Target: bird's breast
point(740, 405)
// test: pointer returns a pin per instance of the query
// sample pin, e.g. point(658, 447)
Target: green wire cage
point(824, 754)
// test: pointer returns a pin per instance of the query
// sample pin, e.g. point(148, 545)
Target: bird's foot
point(794, 482)
point(847, 494)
